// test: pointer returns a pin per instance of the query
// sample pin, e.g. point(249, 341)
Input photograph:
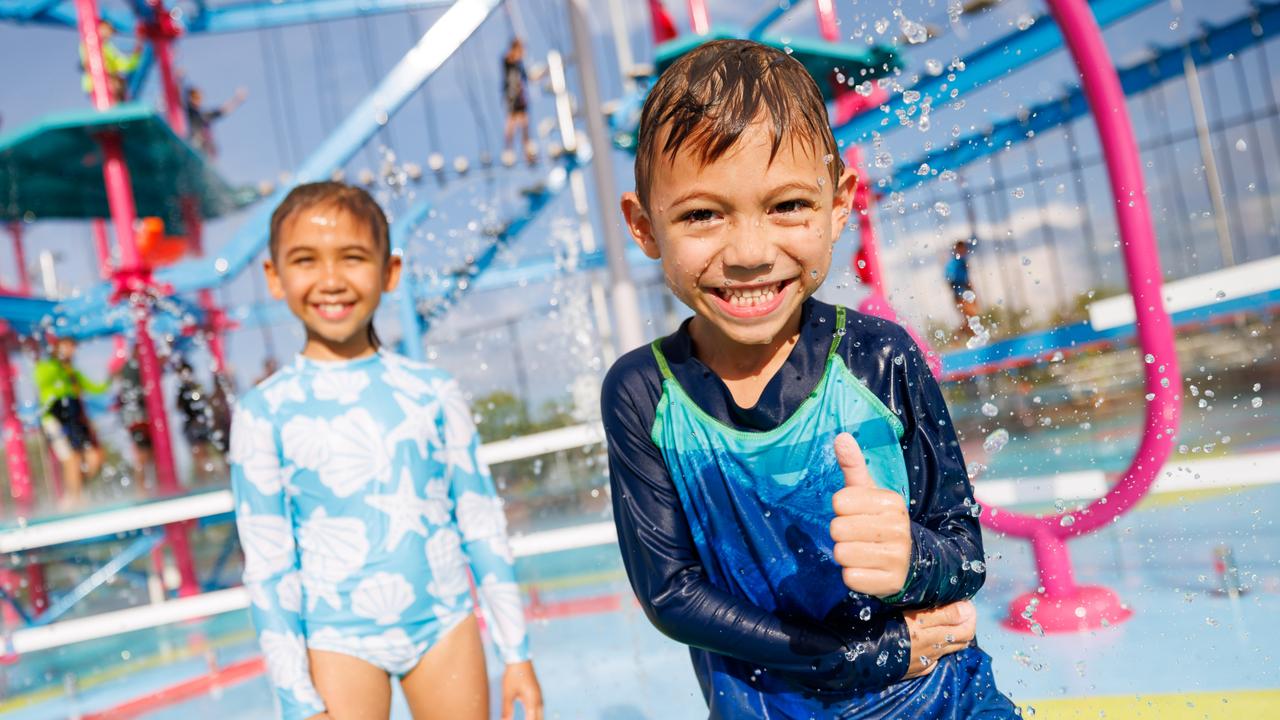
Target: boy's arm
point(484, 528)
point(669, 581)
point(266, 530)
point(91, 387)
point(946, 539)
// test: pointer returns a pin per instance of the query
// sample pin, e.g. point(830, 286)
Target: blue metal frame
point(1214, 44)
point(774, 14)
point(444, 37)
point(59, 12)
point(240, 17)
point(997, 59)
point(261, 15)
point(1038, 345)
point(537, 198)
point(136, 549)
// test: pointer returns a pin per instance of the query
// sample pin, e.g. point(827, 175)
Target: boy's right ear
point(274, 285)
point(640, 225)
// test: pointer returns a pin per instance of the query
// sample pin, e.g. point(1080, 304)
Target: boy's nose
point(750, 249)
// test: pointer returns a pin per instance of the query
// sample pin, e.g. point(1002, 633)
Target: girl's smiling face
point(331, 271)
point(746, 238)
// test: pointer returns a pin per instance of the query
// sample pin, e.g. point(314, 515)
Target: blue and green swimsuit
point(723, 516)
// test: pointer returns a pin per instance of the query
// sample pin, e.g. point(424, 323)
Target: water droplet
point(1149, 358)
point(1025, 21)
point(996, 441)
point(1241, 145)
point(942, 209)
point(1067, 521)
point(933, 66)
point(1080, 612)
point(1019, 193)
point(865, 614)
point(990, 410)
point(1256, 402)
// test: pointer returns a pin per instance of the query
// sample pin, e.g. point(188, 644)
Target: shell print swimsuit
point(361, 505)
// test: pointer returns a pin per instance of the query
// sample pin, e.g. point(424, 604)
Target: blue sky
point(291, 108)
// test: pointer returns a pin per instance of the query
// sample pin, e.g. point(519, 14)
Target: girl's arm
point(483, 525)
point(946, 539)
point(678, 598)
point(265, 524)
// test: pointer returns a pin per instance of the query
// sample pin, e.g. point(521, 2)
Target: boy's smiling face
point(744, 239)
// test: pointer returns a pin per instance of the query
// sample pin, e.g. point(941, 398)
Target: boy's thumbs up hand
point(871, 529)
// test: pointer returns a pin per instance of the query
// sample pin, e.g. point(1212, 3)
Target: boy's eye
point(303, 260)
point(699, 215)
point(790, 206)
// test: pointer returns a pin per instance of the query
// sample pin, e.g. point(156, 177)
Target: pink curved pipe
point(699, 18)
point(1155, 332)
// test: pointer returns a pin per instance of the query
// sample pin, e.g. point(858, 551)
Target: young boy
point(813, 576)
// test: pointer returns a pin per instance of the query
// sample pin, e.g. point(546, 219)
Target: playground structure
point(135, 287)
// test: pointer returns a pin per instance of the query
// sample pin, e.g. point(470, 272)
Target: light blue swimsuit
point(360, 503)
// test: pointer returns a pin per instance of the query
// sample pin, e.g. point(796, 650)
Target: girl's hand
point(519, 683)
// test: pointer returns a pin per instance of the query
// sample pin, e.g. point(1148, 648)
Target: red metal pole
point(134, 279)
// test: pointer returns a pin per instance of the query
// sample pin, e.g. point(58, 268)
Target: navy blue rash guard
point(654, 533)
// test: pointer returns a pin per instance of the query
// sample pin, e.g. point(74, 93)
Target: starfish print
point(404, 508)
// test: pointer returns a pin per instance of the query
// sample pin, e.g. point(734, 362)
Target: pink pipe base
point(1086, 607)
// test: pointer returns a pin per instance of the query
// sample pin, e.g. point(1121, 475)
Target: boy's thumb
point(852, 464)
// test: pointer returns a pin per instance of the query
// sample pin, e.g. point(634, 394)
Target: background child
point(352, 466)
point(131, 400)
point(957, 274)
point(722, 437)
point(60, 386)
point(195, 406)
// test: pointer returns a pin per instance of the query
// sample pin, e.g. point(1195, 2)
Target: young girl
point(360, 500)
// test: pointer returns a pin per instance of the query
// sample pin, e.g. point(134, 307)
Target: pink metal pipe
point(103, 247)
point(20, 258)
point(15, 448)
point(827, 20)
point(162, 31)
point(1155, 335)
point(698, 17)
point(134, 280)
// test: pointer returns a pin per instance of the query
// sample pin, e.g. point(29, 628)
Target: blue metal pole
point(997, 59)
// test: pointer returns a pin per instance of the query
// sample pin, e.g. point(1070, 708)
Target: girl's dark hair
point(347, 198)
point(713, 93)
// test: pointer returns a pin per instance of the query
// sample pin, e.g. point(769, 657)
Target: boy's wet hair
point(354, 201)
point(712, 94)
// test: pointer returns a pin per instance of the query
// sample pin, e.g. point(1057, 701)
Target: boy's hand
point(872, 529)
point(936, 632)
point(519, 683)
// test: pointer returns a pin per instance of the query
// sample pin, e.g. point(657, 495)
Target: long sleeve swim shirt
point(727, 547)
point(361, 505)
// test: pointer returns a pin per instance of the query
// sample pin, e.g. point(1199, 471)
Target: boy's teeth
point(749, 297)
point(331, 308)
